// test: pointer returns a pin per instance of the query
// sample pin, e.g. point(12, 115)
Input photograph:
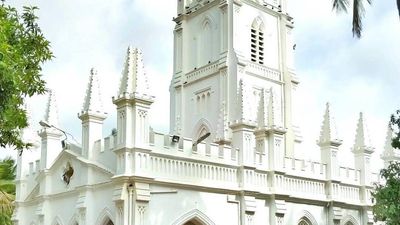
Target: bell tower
point(228, 54)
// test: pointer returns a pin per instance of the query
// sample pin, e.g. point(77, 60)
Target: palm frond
point(398, 6)
point(6, 203)
point(358, 15)
point(7, 168)
point(340, 5)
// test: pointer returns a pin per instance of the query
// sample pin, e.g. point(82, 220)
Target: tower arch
point(257, 38)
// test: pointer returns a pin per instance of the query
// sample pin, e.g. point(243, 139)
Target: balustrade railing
point(299, 187)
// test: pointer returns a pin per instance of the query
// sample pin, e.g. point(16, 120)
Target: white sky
point(353, 75)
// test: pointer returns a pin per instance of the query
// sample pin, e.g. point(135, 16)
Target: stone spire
point(50, 137)
point(388, 143)
point(51, 114)
point(29, 134)
point(92, 117)
point(134, 79)
point(133, 104)
point(362, 141)
point(93, 102)
point(328, 134)
point(390, 154)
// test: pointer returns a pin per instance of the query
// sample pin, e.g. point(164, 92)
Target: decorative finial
point(134, 79)
point(51, 115)
point(328, 134)
point(362, 141)
point(93, 102)
point(390, 153)
point(28, 133)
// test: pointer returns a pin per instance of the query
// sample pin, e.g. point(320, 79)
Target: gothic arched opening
point(304, 221)
point(109, 222)
point(193, 222)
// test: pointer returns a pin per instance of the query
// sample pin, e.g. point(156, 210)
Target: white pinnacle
point(388, 149)
point(28, 133)
point(271, 109)
point(240, 98)
point(262, 113)
point(362, 141)
point(51, 115)
point(134, 79)
point(93, 102)
point(328, 132)
point(388, 142)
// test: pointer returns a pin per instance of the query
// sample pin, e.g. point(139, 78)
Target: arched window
point(304, 221)
point(193, 222)
point(109, 223)
point(206, 48)
point(349, 220)
point(257, 41)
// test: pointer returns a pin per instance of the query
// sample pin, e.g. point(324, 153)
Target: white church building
point(229, 156)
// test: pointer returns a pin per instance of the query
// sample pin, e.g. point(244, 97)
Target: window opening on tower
point(257, 42)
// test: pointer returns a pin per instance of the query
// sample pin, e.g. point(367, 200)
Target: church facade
point(229, 156)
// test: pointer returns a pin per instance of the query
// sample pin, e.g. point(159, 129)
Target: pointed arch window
point(206, 47)
point(193, 222)
point(304, 221)
point(257, 41)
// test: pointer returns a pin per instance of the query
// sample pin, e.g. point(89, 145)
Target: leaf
point(23, 50)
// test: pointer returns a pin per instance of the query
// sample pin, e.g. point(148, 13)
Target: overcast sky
point(353, 75)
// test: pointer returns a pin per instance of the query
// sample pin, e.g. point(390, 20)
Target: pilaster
point(142, 199)
point(249, 210)
point(277, 211)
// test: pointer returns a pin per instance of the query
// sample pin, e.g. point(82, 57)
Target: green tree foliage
point(23, 50)
point(395, 121)
point(387, 196)
point(387, 207)
point(358, 12)
point(7, 190)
